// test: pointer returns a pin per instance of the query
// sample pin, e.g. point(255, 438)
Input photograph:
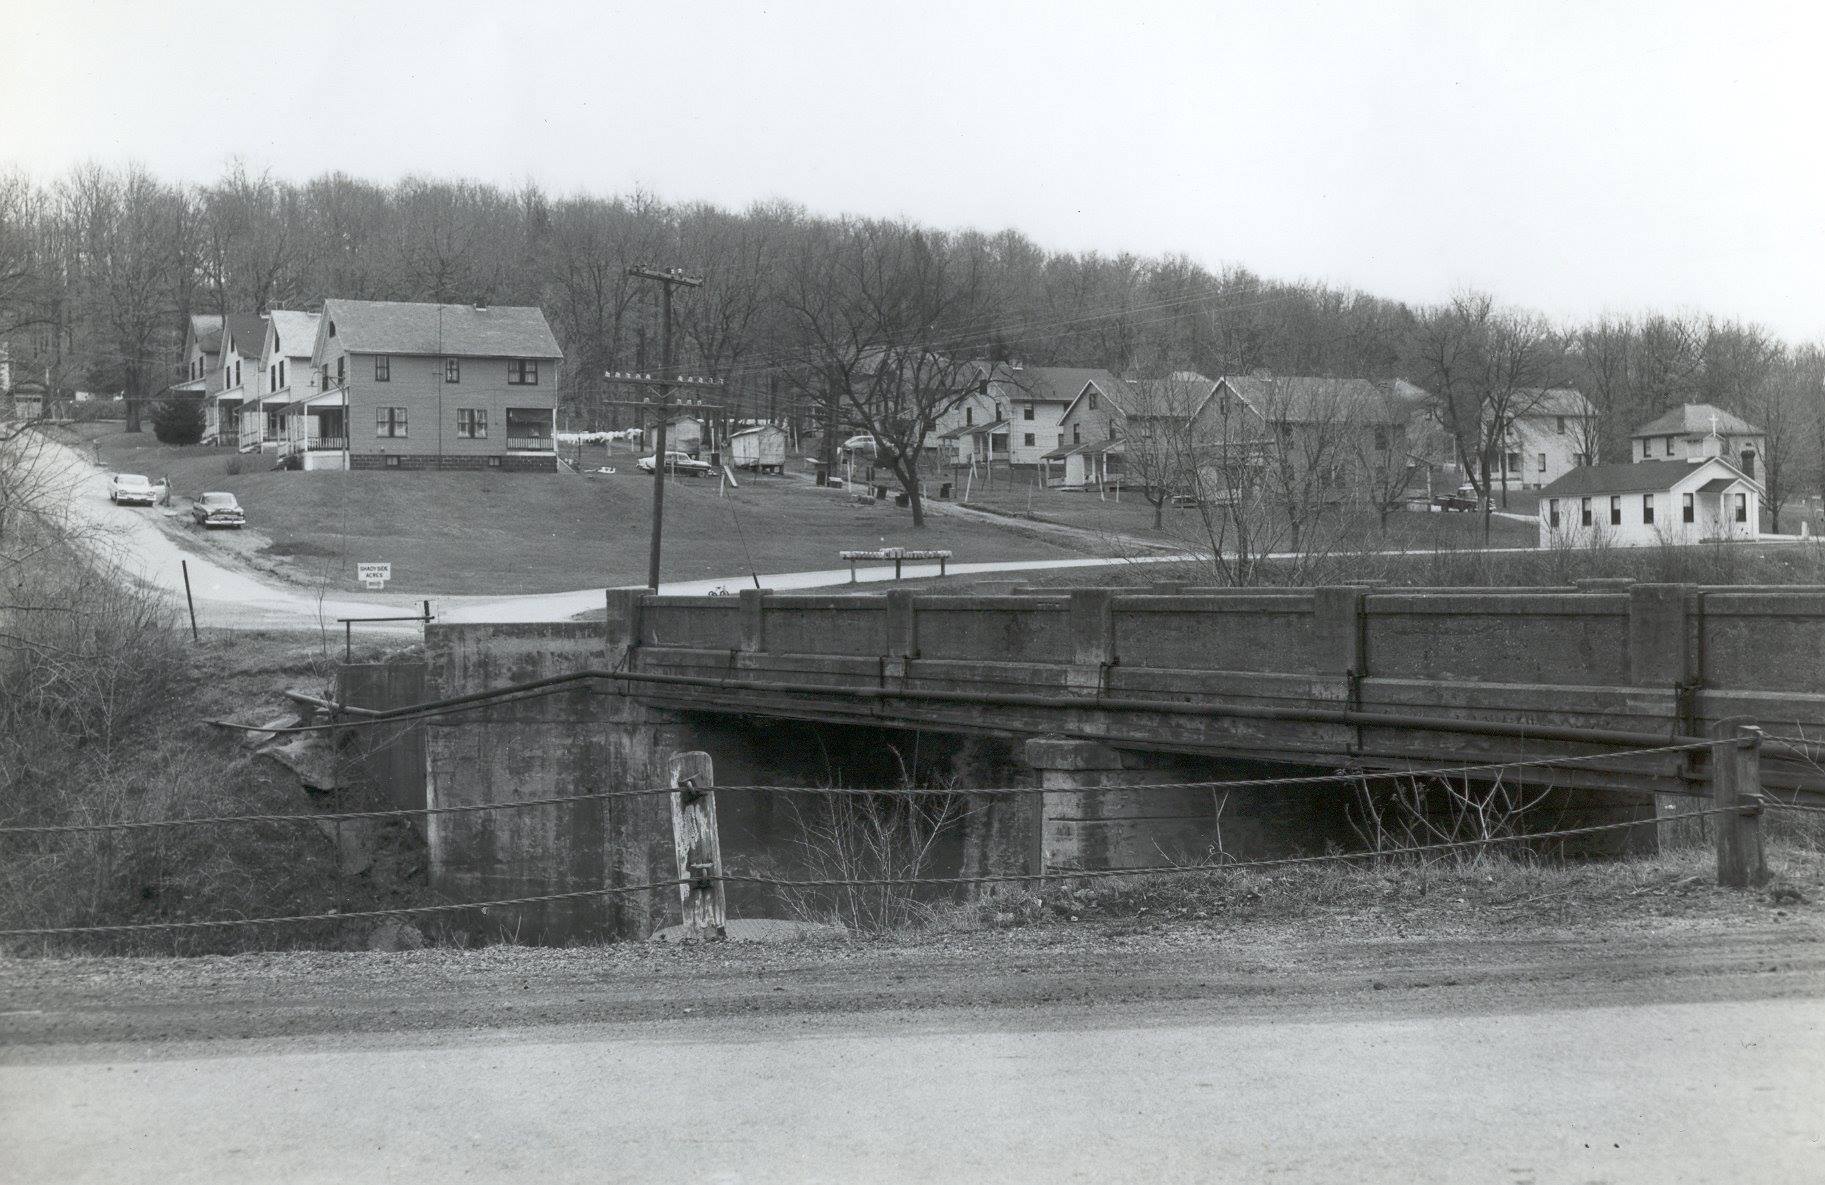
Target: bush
point(178, 421)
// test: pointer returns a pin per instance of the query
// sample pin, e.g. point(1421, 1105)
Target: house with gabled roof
point(199, 367)
point(283, 376)
point(1029, 402)
point(436, 386)
point(1650, 502)
point(1687, 431)
point(238, 365)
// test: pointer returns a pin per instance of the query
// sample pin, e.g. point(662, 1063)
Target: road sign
point(374, 576)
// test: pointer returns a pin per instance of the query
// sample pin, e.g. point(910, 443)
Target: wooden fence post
point(697, 845)
point(1736, 790)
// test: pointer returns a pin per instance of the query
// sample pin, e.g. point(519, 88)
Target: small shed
point(761, 448)
point(682, 435)
point(29, 400)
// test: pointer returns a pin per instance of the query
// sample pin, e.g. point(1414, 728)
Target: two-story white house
point(1684, 431)
point(284, 377)
point(200, 367)
point(243, 335)
point(1650, 502)
point(1553, 432)
point(436, 386)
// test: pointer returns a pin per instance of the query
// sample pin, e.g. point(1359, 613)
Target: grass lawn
point(479, 532)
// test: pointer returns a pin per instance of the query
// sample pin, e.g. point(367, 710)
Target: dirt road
point(1667, 1054)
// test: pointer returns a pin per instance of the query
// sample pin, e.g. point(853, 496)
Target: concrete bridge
point(1087, 690)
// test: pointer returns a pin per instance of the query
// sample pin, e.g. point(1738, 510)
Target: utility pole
point(665, 380)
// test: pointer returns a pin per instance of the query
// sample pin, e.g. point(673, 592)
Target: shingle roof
point(398, 327)
point(1554, 401)
point(1639, 477)
point(1695, 418)
point(207, 329)
point(296, 331)
point(1181, 396)
point(247, 332)
point(1297, 399)
point(1055, 384)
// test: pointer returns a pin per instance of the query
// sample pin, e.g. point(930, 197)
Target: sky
point(1575, 158)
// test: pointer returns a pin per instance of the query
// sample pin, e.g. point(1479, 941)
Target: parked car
point(861, 444)
point(678, 463)
point(1454, 501)
point(218, 510)
point(131, 489)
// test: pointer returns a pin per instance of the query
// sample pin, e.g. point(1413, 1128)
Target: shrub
point(178, 421)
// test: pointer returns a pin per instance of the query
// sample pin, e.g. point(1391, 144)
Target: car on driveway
point(678, 463)
point(131, 489)
point(217, 510)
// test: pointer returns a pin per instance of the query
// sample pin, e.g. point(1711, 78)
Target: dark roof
point(399, 327)
point(1717, 485)
point(1639, 477)
point(1695, 419)
point(973, 429)
point(1055, 384)
point(1301, 399)
point(247, 331)
point(1090, 448)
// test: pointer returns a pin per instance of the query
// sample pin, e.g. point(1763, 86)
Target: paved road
point(1661, 1093)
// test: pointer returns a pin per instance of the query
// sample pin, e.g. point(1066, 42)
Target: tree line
point(845, 321)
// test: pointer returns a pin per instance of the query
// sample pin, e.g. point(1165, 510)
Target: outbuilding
point(761, 448)
point(1650, 502)
point(682, 435)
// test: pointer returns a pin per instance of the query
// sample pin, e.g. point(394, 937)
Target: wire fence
point(1340, 777)
point(1064, 875)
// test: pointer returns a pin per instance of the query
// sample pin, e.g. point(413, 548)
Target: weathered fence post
point(697, 845)
point(1736, 791)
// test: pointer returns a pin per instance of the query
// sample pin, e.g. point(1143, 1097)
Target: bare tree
point(887, 318)
point(1485, 367)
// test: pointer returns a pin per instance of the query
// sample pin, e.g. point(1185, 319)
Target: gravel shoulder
point(78, 1008)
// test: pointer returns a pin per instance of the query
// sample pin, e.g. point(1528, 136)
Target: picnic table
point(898, 555)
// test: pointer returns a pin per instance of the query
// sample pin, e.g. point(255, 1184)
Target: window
point(471, 423)
point(1561, 425)
point(1029, 439)
point(1093, 401)
point(1511, 463)
point(393, 461)
point(1669, 446)
point(272, 378)
point(1644, 448)
point(383, 369)
point(1686, 512)
point(1742, 508)
point(522, 372)
point(342, 370)
point(529, 428)
point(969, 416)
point(1077, 436)
point(281, 374)
point(494, 462)
point(389, 421)
point(1647, 510)
point(1540, 465)
point(453, 370)
point(1584, 511)
point(1581, 459)
point(1026, 413)
point(237, 372)
point(1552, 513)
point(1615, 510)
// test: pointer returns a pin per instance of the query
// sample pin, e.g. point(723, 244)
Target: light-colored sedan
point(678, 463)
point(218, 510)
point(131, 489)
